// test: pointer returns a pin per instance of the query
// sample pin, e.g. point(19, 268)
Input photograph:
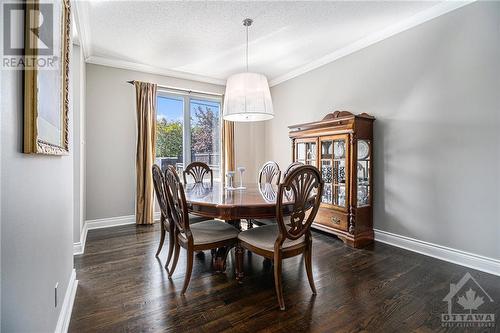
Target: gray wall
point(36, 215)
point(434, 90)
point(78, 74)
point(111, 138)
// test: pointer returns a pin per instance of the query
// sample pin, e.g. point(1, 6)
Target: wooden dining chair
point(291, 236)
point(165, 225)
point(206, 235)
point(198, 171)
point(292, 166)
point(270, 173)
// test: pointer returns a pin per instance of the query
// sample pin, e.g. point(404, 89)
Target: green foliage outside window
point(168, 138)
point(204, 134)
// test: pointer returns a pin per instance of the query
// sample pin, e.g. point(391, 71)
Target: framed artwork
point(46, 80)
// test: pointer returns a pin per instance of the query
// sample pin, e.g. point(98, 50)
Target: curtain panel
point(146, 143)
point(228, 148)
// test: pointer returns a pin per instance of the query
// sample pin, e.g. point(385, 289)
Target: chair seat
point(192, 219)
point(266, 221)
point(264, 237)
point(211, 231)
point(195, 218)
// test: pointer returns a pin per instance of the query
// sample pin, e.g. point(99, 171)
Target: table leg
point(219, 260)
point(235, 223)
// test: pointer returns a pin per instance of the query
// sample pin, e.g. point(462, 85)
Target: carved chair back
point(291, 167)
point(303, 185)
point(198, 170)
point(177, 203)
point(270, 173)
point(161, 194)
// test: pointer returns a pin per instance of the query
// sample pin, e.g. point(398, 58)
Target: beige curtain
point(228, 147)
point(146, 139)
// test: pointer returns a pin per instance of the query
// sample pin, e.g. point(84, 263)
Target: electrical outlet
point(55, 294)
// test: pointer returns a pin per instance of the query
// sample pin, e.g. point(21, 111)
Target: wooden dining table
point(254, 201)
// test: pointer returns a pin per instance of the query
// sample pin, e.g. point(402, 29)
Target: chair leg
point(171, 243)
point(177, 249)
point(308, 262)
point(162, 238)
point(189, 270)
point(277, 281)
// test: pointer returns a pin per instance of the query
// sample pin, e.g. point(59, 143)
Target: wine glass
point(230, 176)
point(241, 170)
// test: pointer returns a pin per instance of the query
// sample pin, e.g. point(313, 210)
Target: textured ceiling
point(208, 39)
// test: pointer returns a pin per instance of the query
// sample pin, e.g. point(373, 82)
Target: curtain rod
point(184, 90)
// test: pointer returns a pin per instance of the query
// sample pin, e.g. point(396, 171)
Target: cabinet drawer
point(331, 218)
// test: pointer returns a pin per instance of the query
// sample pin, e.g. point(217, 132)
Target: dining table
point(252, 201)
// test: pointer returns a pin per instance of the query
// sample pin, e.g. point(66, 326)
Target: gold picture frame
point(46, 91)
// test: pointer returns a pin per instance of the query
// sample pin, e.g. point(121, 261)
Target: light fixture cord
point(247, 48)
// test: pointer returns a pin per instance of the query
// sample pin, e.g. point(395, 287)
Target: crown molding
point(83, 26)
point(153, 70)
point(80, 14)
point(413, 21)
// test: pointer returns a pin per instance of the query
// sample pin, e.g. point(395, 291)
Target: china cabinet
point(341, 147)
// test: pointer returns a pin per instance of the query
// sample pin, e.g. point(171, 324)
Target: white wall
point(78, 74)
point(111, 138)
point(37, 214)
point(434, 90)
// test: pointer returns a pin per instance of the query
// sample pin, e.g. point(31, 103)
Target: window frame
point(186, 126)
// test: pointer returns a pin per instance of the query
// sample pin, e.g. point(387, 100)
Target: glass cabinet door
point(363, 173)
point(300, 152)
point(334, 154)
point(311, 153)
point(305, 152)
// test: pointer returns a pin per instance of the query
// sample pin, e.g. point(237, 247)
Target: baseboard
point(467, 259)
point(79, 247)
point(110, 222)
point(67, 306)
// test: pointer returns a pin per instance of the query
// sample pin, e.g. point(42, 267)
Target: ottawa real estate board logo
point(28, 36)
point(468, 303)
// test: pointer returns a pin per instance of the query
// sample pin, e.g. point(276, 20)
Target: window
point(188, 129)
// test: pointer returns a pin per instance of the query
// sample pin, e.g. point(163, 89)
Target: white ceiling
point(207, 39)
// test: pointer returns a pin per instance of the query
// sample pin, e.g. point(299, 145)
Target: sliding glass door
point(188, 129)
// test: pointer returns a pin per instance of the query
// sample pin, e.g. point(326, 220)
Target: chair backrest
point(291, 167)
point(177, 202)
point(303, 186)
point(161, 194)
point(270, 170)
point(198, 170)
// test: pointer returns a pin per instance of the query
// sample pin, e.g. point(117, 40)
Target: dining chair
point(270, 173)
point(206, 235)
point(165, 225)
point(198, 170)
point(292, 166)
point(165, 222)
point(291, 236)
point(287, 171)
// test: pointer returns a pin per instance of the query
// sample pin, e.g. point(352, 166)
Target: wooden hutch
point(341, 147)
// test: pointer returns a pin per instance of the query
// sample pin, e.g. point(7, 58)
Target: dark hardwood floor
point(124, 288)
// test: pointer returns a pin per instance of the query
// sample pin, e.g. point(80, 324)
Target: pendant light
point(247, 96)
